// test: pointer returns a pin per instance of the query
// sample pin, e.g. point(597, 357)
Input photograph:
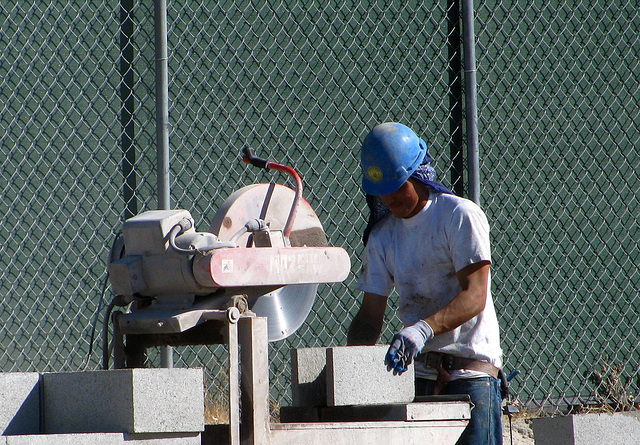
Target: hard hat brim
point(381, 188)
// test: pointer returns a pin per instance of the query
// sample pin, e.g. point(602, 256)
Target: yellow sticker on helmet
point(375, 174)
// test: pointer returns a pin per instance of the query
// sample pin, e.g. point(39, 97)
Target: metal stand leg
point(119, 357)
point(234, 384)
point(166, 357)
point(255, 380)
point(135, 351)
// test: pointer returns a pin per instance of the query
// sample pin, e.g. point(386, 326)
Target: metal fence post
point(470, 93)
point(456, 143)
point(162, 128)
point(127, 121)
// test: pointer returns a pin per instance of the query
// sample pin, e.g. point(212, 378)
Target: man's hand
point(406, 345)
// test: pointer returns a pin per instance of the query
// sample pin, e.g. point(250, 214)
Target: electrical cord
point(509, 410)
point(106, 352)
point(175, 231)
point(253, 225)
point(95, 321)
point(112, 257)
point(186, 224)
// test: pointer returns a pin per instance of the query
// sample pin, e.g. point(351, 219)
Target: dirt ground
point(522, 432)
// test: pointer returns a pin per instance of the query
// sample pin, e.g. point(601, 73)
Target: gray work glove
point(405, 345)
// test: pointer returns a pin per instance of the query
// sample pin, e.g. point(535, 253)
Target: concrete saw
point(265, 254)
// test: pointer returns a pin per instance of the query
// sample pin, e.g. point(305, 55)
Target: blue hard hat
point(391, 152)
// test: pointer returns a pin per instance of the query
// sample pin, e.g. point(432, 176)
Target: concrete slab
point(124, 401)
point(20, 407)
point(350, 433)
point(67, 439)
point(357, 375)
point(163, 439)
point(587, 429)
point(442, 409)
point(105, 439)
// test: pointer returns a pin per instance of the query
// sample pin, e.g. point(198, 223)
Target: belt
point(444, 363)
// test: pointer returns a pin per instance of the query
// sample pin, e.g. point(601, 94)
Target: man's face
point(405, 202)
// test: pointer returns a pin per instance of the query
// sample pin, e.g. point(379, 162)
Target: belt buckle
point(432, 359)
point(436, 360)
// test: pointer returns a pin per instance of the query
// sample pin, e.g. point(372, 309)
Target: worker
point(433, 247)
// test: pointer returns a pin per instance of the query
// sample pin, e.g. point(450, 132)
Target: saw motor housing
point(153, 267)
point(171, 271)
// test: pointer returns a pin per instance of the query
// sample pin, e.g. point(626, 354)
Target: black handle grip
point(249, 158)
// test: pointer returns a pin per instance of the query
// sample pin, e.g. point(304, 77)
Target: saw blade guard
point(286, 308)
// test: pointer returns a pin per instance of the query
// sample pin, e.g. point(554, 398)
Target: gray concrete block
point(168, 400)
point(308, 377)
point(587, 429)
point(20, 403)
point(124, 400)
point(357, 375)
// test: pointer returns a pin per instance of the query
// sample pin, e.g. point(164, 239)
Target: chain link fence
point(301, 83)
point(560, 133)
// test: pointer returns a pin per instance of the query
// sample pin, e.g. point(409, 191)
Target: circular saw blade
point(288, 307)
point(285, 308)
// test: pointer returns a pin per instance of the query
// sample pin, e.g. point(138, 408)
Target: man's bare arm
point(366, 326)
point(474, 280)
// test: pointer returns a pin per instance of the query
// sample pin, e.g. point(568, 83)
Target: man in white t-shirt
point(433, 248)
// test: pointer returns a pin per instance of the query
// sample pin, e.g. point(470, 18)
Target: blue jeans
point(485, 426)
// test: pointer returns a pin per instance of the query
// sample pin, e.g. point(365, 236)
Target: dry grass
point(217, 411)
point(215, 414)
point(612, 390)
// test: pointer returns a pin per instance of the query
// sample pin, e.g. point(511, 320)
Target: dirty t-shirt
point(420, 256)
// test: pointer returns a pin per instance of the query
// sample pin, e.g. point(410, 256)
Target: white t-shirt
point(420, 256)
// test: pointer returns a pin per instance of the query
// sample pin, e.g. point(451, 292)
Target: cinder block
point(308, 377)
point(19, 403)
point(124, 400)
point(587, 429)
point(357, 375)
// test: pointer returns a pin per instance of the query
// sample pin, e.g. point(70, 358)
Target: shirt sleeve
point(469, 236)
point(375, 277)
